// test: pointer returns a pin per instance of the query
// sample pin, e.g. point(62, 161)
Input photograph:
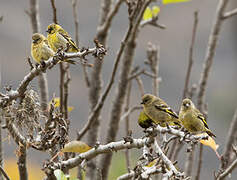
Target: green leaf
point(59, 174)
point(155, 11)
point(174, 1)
point(147, 14)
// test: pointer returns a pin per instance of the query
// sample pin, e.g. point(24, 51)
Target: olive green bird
point(158, 111)
point(144, 121)
point(59, 38)
point(192, 119)
point(40, 50)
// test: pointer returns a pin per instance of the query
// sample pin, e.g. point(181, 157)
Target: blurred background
point(174, 42)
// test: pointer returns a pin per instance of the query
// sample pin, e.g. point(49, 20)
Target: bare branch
point(101, 149)
point(21, 162)
point(211, 48)
point(189, 161)
point(129, 111)
point(140, 85)
point(54, 11)
point(229, 142)
point(42, 80)
point(228, 170)
point(107, 23)
point(75, 17)
point(153, 22)
point(14, 94)
point(100, 102)
point(127, 125)
point(187, 79)
point(229, 14)
point(172, 171)
point(210, 52)
point(153, 56)
point(4, 173)
point(122, 85)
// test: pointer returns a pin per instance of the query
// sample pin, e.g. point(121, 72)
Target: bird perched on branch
point(158, 111)
point(40, 50)
point(192, 119)
point(144, 121)
point(59, 38)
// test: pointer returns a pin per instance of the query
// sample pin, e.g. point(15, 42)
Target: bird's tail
point(210, 133)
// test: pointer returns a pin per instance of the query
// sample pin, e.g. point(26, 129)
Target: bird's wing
point(167, 109)
point(202, 118)
point(68, 38)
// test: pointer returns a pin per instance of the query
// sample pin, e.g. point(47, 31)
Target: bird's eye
point(36, 40)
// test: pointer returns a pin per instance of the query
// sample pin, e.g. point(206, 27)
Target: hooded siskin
point(158, 111)
point(40, 50)
point(192, 119)
point(59, 38)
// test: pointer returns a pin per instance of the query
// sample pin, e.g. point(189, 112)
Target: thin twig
point(190, 63)
point(229, 142)
point(66, 87)
point(122, 85)
point(1, 149)
point(140, 85)
point(75, 17)
point(129, 111)
point(228, 170)
point(4, 173)
point(22, 167)
point(127, 125)
point(153, 56)
point(189, 162)
point(229, 14)
point(51, 62)
point(42, 79)
point(108, 19)
point(210, 52)
point(54, 11)
point(102, 98)
point(61, 65)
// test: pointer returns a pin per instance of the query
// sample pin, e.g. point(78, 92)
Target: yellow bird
point(144, 121)
point(158, 111)
point(192, 119)
point(40, 50)
point(59, 38)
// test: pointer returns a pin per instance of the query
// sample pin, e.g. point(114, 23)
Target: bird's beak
point(34, 41)
point(186, 105)
point(48, 31)
point(142, 102)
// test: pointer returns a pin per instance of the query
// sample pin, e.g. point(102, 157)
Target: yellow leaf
point(155, 11)
point(70, 108)
point(57, 104)
point(76, 146)
point(147, 14)
point(152, 163)
point(174, 1)
point(211, 143)
point(56, 101)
